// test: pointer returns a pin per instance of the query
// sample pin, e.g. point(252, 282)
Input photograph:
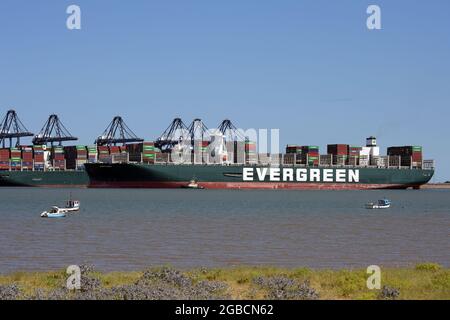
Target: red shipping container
point(114, 149)
point(134, 147)
point(338, 149)
point(27, 155)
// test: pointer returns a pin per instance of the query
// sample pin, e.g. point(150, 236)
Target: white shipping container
point(119, 158)
point(46, 155)
point(374, 151)
point(363, 163)
point(275, 158)
point(428, 164)
point(365, 151)
point(382, 161)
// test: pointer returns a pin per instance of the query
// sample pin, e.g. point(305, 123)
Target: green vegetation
point(424, 281)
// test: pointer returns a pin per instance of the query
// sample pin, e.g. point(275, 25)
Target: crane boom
point(11, 127)
point(117, 132)
point(53, 131)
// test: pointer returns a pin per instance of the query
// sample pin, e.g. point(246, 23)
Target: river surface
point(123, 229)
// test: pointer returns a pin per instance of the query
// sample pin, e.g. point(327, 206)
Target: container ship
point(215, 160)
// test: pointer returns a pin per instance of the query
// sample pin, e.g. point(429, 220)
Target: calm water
point(134, 229)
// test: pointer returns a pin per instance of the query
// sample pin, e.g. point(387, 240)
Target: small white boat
point(72, 205)
point(193, 185)
point(381, 204)
point(54, 212)
point(57, 212)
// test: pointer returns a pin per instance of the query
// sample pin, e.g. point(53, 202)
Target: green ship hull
point(253, 177)
point(44, 179)
point(221, 177)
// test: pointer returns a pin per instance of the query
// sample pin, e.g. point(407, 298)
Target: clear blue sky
point(310, 68)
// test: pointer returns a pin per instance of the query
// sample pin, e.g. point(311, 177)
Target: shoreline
point(245, 283)
point(436, 186)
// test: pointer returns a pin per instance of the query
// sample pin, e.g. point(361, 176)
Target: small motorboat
point(54, 212)
point(193, 185)
point(57, 212)
point(381, 204)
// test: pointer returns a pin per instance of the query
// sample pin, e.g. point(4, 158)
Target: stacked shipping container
point(310, 155)
point(379, 161)
point(148, 152)
point(326, 159)
point(204, 151)
point(231, 150)
point(76, 157)
point(289, 158)
point(293, 154)
point(114, 150)
point(16, 159)
point(364, 160)
point(239, 152)
point(103, 154)
point(118, 154)
point(353, 155)
point(408, 156)
point(123, 149)
point(58, 158)
point(200, 151)
point(339, 153)
point(162, 157)
point(39, 158)
point(82, 157)
point(4, 159)
point(134, 152)
point(92, 154)
point(251, 156)
point(27, 158)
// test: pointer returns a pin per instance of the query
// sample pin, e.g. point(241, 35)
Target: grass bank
point(424, 281)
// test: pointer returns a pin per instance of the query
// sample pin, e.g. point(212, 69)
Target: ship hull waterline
point(216, 177)
point(254, 177)
point(248, 185)
point(44, 179)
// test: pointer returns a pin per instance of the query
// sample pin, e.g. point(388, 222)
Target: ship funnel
point(371, 141)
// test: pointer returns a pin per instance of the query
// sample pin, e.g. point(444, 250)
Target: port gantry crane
point(230, 132)
point(11, 127)
point(53, 131)
point(117, 132)
point(176, 132)
point(198, 131)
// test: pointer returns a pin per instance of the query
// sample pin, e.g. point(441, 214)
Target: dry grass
point(425, 281)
